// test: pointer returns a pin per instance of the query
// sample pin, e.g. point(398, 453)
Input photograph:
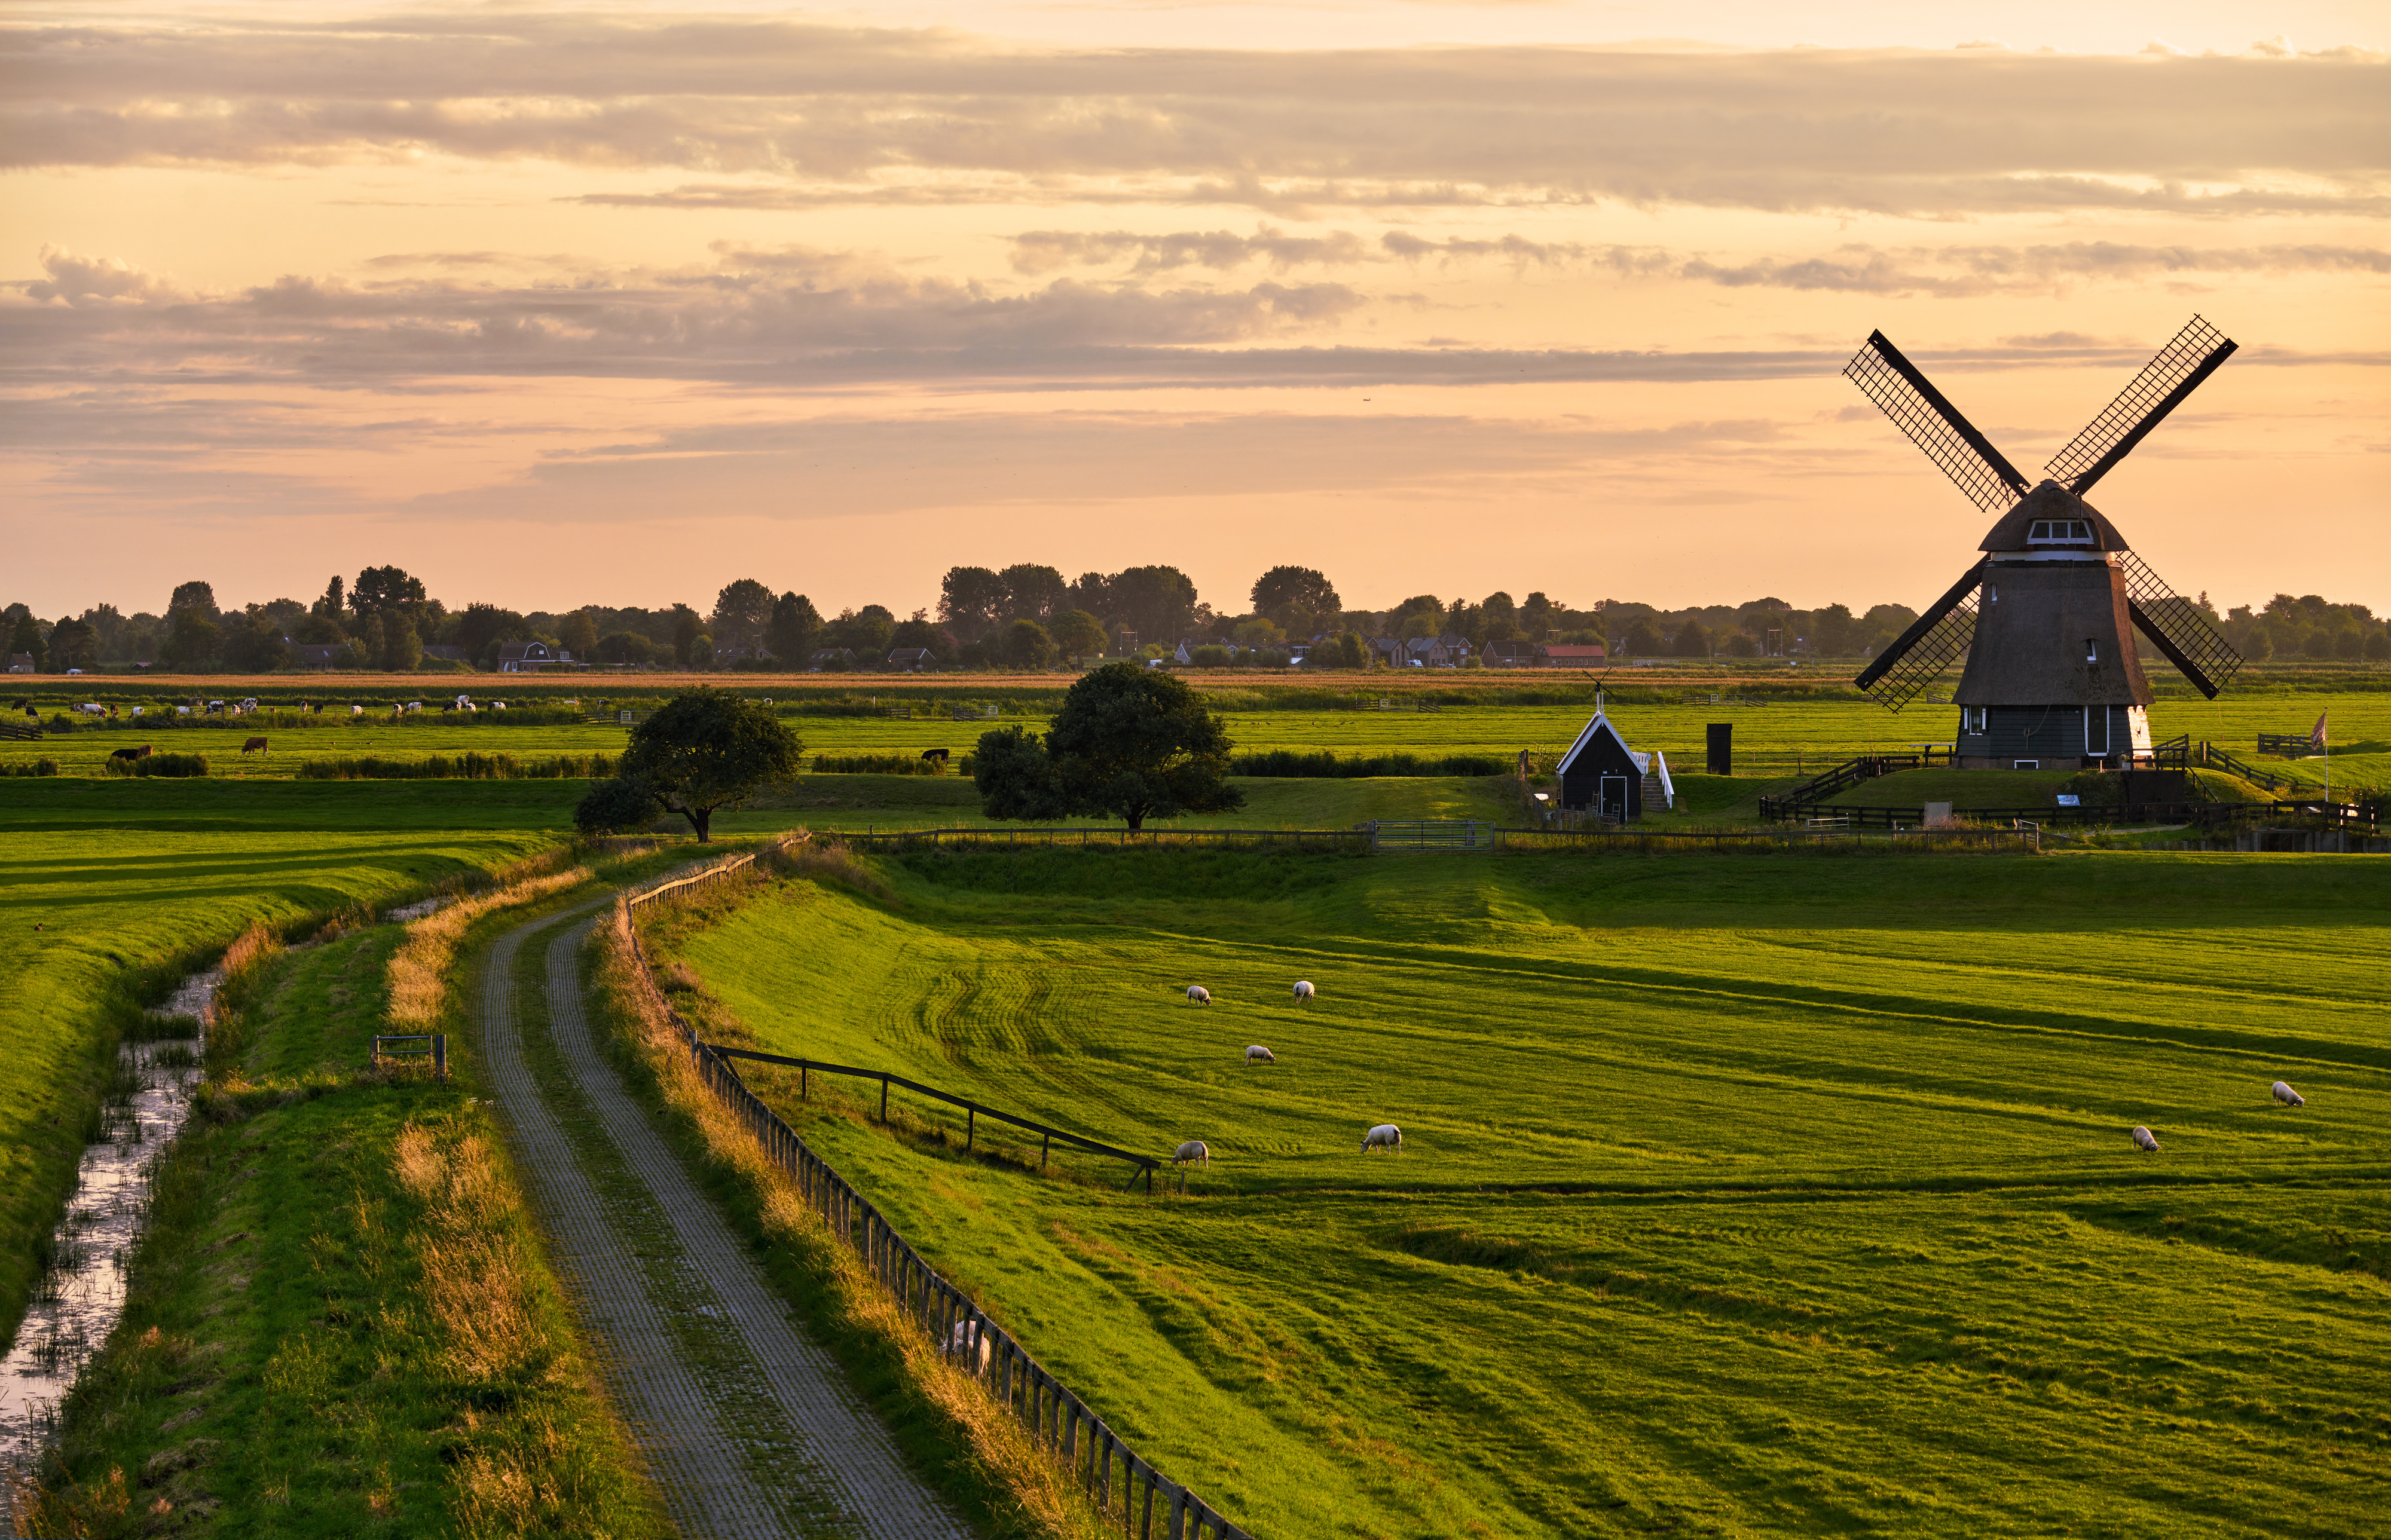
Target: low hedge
point(174, 766)
point(887, 765)
point(467, 767)
point(1288, 764)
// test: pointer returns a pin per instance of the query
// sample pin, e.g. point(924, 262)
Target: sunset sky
point(558, 304)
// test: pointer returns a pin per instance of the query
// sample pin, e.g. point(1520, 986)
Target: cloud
point(1968, 271)
point(76, 280)
point(1044, 251)
point(795, 111)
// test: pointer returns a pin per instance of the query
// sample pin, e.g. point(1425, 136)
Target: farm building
point(913, 660)
point(1602, 776)
point(531, 657)
point(20, 663)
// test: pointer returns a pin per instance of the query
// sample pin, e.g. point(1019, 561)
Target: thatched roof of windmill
point(2032, 620)
point(2050, 501)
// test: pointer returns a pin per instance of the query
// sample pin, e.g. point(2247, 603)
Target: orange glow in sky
point(567, 305)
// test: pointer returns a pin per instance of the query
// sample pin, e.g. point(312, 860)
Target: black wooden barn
point(1601, 775)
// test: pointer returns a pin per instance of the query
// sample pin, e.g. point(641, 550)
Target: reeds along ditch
point(176, 766)
point(1291, 765)
point(418, 969)
point(467, 766)
point(887, 765)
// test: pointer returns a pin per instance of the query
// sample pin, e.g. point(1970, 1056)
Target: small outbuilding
point(1601, 775)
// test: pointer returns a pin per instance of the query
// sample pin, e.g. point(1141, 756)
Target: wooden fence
point(1612, 837)
point(1431, 834)
point(1092, 836)
point(1058, 1421)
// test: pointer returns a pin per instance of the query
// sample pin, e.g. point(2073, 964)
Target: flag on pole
point(2316, 736)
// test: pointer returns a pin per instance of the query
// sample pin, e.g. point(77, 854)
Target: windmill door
point(1614, 797)
point(2096, 730)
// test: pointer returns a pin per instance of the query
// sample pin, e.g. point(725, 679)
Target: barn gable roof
point(1599, 728)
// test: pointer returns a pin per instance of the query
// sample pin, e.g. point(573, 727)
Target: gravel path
point(748, 1425)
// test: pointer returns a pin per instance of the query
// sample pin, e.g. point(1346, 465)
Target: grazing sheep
point(1385, 1136)
point(1258, 1054)
point(1198, 994)
point(1303, 991)
point(966, 1336)
point(1194, 1152)
point(2288, 1096)
point(2145, 1139)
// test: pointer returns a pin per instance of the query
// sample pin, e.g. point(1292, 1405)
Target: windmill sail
point(2176, 627)
point(1934, 425)
point(1939, 638)
point(2190, 358)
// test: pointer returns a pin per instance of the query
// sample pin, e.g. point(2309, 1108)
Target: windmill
point(2047, 619)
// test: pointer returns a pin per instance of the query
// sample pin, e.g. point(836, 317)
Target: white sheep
point(2288, 1096)
point(1194, 1152)
point(966, 1336)
point(1385, 1136)
point(2145, 1139)
point(1257, 1054)
point(1198, 994)
point(1303, 991)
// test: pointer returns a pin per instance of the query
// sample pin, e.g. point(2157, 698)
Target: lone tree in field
point(708, 750)
point(1127, 743)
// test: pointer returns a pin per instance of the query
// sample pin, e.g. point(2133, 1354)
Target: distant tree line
point(1022, 617)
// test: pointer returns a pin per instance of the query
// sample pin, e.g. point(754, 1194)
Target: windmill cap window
point(2059, 532)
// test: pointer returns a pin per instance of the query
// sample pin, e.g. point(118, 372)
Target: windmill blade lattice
point(1934, 425)
point(1938, 638)
point(2178, 628)
point(2190, 358)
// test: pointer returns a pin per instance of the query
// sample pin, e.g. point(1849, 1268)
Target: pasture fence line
point(1058, 1421)
point(1092, 836)
point(2024, 836)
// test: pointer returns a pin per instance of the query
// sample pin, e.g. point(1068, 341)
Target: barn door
point(1614, 797)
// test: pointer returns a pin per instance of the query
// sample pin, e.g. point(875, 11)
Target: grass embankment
point(112, 891)
point(1762, 1194)
point(339, 1321)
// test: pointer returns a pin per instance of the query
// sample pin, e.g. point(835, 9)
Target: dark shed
point(1602, 775)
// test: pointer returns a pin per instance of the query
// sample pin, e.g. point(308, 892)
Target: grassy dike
point(946, 1428)
point(341, 1321)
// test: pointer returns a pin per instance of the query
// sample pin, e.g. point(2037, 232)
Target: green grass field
point(1773, 739)
point(107, 887)
point(1743, 1195)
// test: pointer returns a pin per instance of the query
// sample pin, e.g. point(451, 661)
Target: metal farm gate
point(1431, 834)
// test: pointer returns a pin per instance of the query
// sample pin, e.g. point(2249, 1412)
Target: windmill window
point(2059, 532)
point(1972, 719)
point(2091, 649)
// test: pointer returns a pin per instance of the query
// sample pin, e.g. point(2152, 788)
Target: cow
point(934, 756)
point(128, 755)
point(256, 744)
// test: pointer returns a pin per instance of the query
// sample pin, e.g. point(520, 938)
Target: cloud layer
point(809, 111)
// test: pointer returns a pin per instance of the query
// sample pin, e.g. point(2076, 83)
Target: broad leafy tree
point(743, 614)
point(1033, 593)
point(1027, 646)
point(686, 624)
point(28, 640)
point(971, 599)
point(194, 596)
point(1158, 603)
point(580, 634)
point(1077, 634)
point(707, 749)
point(796, 627)
point(1130, 742)
point(1296, 598)
point(616, 806)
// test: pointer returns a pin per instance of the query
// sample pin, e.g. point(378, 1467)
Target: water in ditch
point(81, 1293)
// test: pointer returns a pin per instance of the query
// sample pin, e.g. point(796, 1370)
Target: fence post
point(440, 1054)
point(883, 1099)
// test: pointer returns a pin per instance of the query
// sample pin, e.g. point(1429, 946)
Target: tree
point(626, 647)
point(1693, 640)
point(1130, 742)
point(969, 598)
point(479, 628)
point(1078, 633)
point(796, 625)
point(191, 641)
point(1535, 616)
point(253, 643)
point(1643, 641)
point(1502, 617)
point(1094, 593)
point(707, 750)
point(1740, 644)
point(866, 632)
point(1158, 603)
point(28, 639)
point(1353, 651)
point(579, 636)
point(686, 624)
point(742, 614)
point(75, 644)
point(383, 589)
point(1033, 593)
point(700, 652)
point(402, 645)
point(1027, 646)
point(920, 631)
point(1296, 598)
point(194, 596)
point(2258, 646)
point(334, 603)
point(616, 806)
